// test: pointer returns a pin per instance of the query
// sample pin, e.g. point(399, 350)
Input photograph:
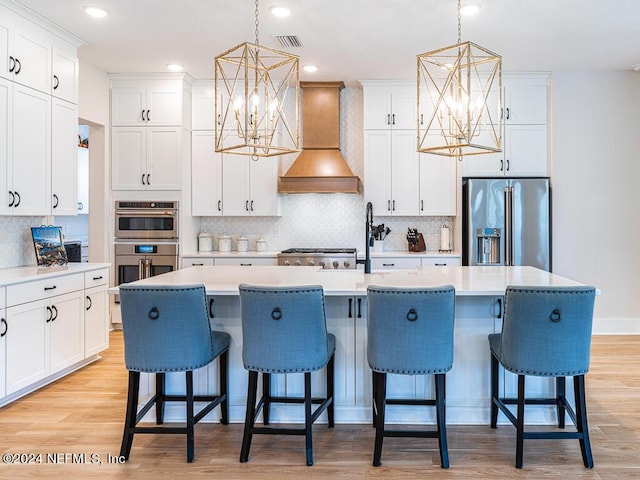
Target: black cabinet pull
point(359, 308)
point(211, 315)
point(97, 278)
point(18, 201)
point(350, 305)
point(393, 119)
point(219, 205)
point(6, 327)
point(57, 201)
point(507, 165)
point(143, 119)
point(508, 113)
point(148, 115)
point(388, 205)
point(80, 205)
point(246, 264)
point(440, 264)
point(501, 165)
point(18, 66)
point(143, 179)
point(421, 119)
point(49, 288)
point(252, 205)
point(148, 179)
point(421, 205)
point(90, 303)
point(13, 198)
point(388, 119)
point(57, 82)
point(219, 117)
point(50, 314)
point(246, 205)
point(388, 264)
point(56, 311)
point(394, 205)
point(12, 64)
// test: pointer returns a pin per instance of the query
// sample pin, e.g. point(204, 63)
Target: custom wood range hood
point(320, 168)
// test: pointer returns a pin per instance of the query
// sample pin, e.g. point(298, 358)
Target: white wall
point(595, 157)
point(93, 109)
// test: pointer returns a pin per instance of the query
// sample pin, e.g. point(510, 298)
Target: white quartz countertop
point(468, 281)
point(9, 276)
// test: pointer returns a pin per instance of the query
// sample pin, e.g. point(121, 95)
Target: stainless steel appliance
point(146, 220)
point(135, 261)
point(506, 221)
point(327, 258)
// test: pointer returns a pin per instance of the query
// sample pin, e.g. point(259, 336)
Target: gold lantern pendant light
point(257, 92)
point(459, 100)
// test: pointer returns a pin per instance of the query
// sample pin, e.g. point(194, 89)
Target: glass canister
point(224, 243)
point(205, 242)
point(243, 243)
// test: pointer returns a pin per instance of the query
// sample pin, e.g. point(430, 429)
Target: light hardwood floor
point(83, 414)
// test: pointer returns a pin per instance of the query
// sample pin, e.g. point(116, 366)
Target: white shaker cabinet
point(250, 187)
point(391, 172)
point(65, 67)
point(389, 107)
point(27, 186)
point(146, 158)
point(147, 102)
point(3, 342)
point(438, 185)
point(525, 148)
point(206, 175)
point(96, 312)
point(64, 158)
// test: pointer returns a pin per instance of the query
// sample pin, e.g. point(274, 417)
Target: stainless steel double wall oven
point(146, 239)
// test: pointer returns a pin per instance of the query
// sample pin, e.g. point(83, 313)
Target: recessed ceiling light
point(469, 10)
point(280, 11)
point(174, 67)
point(310, 68)
point(95, 12)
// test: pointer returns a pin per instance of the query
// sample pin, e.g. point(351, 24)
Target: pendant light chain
point(459, 25)
point(256, 13)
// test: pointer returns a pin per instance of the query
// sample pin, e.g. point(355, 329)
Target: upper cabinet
point(147, 102)
point(148, 117)
point(250, 187)
point(203, 108)
point(38, 118)
point(525, 147)
point(389, 107)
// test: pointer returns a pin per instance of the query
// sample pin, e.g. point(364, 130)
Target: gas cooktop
point(329, 258)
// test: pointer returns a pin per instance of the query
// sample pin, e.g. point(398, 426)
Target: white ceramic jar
point(205, 242)
point(261, 245)
point(224, 243)
point(243, 243)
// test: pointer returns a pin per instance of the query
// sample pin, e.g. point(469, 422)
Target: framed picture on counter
point(47, 241)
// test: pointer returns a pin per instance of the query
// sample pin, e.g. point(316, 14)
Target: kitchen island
point(479, 303)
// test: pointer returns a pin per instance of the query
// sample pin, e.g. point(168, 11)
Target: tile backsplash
point(15, 238)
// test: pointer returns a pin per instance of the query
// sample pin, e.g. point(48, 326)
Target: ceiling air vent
point(288, 41)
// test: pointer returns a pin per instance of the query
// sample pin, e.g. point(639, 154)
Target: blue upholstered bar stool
point(410, 332)
point(546, 332)
point(284, 331)
point(166, 329)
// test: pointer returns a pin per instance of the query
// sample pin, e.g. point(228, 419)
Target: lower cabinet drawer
point(394, 263)
point(247, 261)
point(197, 262)
point(441, 262)
point(96, 278)
point(39, 289)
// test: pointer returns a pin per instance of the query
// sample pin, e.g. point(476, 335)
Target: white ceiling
point(352, 40)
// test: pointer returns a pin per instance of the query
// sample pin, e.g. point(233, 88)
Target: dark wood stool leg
point(266, 395)
point(581, 420)
point(307, 418)
point(380, 382)
point(252, 392)
point(331, 390)
point(373, 398)
point(561, 398)
point(130, 417)
point(160, 380)
point(223, 387)
point(520, 423)
point(495, 390)
point(440, 381)
point(190, 424)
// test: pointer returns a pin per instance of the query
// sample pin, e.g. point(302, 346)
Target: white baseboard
point(616, 326)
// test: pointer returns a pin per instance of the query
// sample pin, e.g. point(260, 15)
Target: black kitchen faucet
point(368, 236)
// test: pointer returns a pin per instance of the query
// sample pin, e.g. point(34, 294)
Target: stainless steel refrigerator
point(506, 221)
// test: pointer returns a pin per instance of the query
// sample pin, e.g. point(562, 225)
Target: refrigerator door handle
point(507, 226)
point(510, 231)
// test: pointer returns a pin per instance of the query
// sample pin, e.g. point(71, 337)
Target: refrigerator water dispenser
point(488, 246)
